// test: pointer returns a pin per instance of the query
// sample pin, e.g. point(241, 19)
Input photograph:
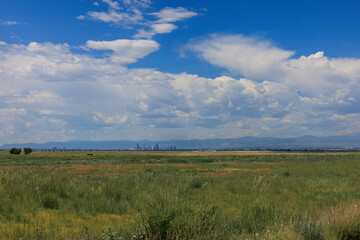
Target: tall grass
point(136, 196)
point(174, 215)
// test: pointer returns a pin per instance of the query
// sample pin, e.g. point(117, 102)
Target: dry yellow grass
point(343, 219)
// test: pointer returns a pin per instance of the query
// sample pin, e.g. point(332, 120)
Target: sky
point(159, 70)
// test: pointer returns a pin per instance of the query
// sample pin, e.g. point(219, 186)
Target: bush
point(15, 151)
point(350, 233)
point(197, 184)
point(50, 202)
point(285, 174)
point(27, 150)
point(309, 229)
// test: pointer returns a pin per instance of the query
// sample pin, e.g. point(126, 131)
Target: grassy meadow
point(180, 195)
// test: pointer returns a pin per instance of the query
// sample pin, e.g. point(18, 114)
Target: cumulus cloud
point(314, 87)
point(48, 92)
point(247, 55)
point(54, 90)
point(262, 60)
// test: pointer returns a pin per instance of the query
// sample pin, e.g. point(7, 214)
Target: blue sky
point(147, 69)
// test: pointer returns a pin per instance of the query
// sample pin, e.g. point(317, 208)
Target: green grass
point(179, 195)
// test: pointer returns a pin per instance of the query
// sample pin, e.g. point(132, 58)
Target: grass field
point(180, 195)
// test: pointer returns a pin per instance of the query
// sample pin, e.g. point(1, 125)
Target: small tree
point(27, 150)
point(15, 151)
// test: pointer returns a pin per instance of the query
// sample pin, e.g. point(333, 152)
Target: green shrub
point(50, 202)
point(349, 231)
point(350, 234)
point(309, 229)
point(198, 183)
point(15, 151)
point(27, 150)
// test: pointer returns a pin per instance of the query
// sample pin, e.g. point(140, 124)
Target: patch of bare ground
point(222, 174)
point(236, 171)
point(248, 163)
point(79, 169)
point(183, 165)
point(256, 170)
point(3, 168)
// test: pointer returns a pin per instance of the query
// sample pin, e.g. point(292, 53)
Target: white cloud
point(115, 119)
point(164, 22)
point(9, 23)
point(124, 50)
point(118, 18)
point(122, 13)
point(112, 4)
point(157, 28)
point(247, 55)
point(262, 60)
point(55, 112)
point(137, 3)
point(130, 13)
point(163, 27)
point(168, 14)
point(62, 95)
point(10, 112)
point(144, 34)
point(38, 97)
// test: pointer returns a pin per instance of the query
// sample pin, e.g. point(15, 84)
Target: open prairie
point(180, 195)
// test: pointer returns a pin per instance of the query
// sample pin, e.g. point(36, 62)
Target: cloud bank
point(49, 92)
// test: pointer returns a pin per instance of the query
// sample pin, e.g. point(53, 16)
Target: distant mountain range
point(348, 142)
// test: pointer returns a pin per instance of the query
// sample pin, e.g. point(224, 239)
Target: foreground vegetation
point(179, 195)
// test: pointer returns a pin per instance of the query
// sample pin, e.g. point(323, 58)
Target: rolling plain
point(180, 195)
